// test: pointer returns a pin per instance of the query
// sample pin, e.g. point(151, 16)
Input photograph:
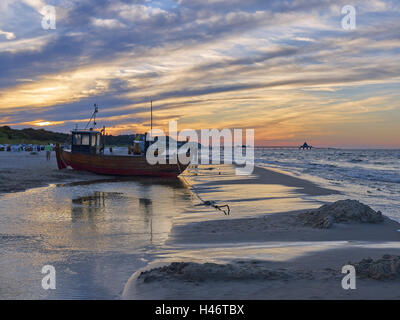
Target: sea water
point(371, 176)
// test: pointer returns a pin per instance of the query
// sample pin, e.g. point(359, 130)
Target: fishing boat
point(87, 154)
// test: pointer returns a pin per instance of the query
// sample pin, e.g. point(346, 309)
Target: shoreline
point(20, 171)
point(259, 238)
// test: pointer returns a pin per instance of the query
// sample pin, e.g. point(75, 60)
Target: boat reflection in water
point(95, 234)
point(91, 207)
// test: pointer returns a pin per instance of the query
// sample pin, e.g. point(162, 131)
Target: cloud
point(139, 13)
point(7, 35)
point(107, 23)
point(21, 45)
point(36, 4)
point(264, 64)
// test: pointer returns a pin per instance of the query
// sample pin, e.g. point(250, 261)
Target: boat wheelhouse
point(87, 141)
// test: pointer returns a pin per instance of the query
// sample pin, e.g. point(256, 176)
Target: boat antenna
point(96, 110)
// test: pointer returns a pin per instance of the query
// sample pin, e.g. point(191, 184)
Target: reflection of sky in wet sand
point(244, 198)
point(95, 234)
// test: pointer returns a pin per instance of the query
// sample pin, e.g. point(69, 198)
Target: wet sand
point(312, 276)
point(280, 227)
point(269, 256)
point(20, 171)
point(264, 176)
point(95, 233)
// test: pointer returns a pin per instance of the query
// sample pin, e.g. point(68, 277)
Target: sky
point(287, 69)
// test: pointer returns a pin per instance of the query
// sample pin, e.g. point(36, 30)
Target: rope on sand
point(213, 204)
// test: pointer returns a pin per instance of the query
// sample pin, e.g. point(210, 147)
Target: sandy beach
point(262, 250)
point(20, 171)
point(270, 256)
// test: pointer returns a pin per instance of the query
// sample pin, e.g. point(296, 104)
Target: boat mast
point(96, 110)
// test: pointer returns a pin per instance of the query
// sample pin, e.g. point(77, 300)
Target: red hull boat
point(119, 165)
point(87, 153)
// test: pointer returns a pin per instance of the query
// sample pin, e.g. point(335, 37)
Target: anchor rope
point(213, 204)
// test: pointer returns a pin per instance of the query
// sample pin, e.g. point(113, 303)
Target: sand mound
point(343, 211)
point(386, 268)
point(196, 272)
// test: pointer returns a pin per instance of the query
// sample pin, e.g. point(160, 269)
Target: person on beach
point(48, 151)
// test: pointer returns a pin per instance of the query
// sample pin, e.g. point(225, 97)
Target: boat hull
point(116, 165)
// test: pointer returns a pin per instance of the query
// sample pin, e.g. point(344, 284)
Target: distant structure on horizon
point(305, 146)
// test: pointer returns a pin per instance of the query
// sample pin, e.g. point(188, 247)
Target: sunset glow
point(43, 124)
point(287, 69)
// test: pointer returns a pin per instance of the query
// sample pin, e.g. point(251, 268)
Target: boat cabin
point(87, 141)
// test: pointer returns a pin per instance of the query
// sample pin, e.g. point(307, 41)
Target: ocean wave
point(378, 176)
point(337, 172)
point(356, 160)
